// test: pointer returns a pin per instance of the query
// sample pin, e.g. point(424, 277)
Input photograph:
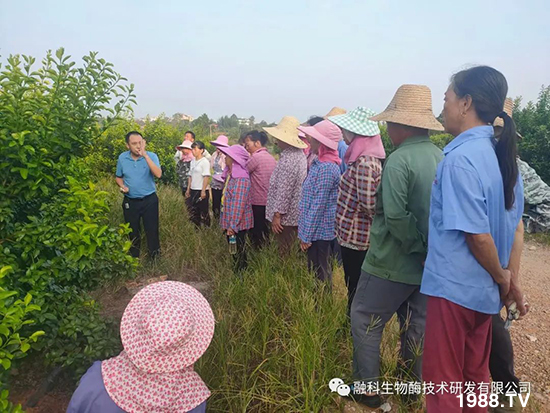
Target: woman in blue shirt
point(317, 217)
point(476, 207)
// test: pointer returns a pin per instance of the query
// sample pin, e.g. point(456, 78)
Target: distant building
point(245, 121)
point(180, 117)
point(187, 118)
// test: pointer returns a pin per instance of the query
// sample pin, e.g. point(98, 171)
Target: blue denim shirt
point(468, 197)
point(342, 148)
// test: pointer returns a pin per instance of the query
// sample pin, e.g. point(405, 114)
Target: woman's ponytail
point(507, 151)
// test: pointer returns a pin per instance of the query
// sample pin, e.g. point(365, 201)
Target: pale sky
point(274, 58)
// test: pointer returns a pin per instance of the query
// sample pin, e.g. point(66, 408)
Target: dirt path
point(531, 337)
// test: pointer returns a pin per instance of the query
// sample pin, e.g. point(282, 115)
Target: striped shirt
point(237, 209)
point(318, 204)
point(260, 167)
point(356, 202)
point(285, 187)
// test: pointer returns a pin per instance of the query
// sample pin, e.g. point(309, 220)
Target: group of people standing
point(434, 237)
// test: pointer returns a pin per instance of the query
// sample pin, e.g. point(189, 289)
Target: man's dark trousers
point(146, 208)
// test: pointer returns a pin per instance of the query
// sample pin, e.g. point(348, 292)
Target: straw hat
point(286, 131)
point(411, 106)
point(335, 111)
point(499, 122)
point(357, 121)
point(221, 141)
point(165, 329)
point(325, 132)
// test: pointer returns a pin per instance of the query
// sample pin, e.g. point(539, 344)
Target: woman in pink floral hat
point(165, 329)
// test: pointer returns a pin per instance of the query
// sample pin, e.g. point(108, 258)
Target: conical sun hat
point(499, 123)
point(411, 106)
point(287, 131)
point(357, 121)
point(335, 111)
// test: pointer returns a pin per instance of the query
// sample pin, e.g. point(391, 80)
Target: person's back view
point(165, 329)
point(260, 167)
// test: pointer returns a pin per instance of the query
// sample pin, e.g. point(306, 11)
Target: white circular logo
point(334, 383)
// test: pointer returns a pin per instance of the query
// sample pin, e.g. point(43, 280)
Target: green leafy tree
point(533, 122)
point(47, 117)
point(57, 242)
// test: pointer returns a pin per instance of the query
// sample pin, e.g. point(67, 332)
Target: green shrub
point(47, 117)
point(533, 122)
point(67, 249)
point(55, 235)
point(441, 139)
point(14, 315)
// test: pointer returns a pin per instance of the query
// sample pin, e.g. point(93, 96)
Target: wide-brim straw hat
point(411, 106)
point(325, 132)
point(221, 141)
point(357, 121)
point(499, 122)
point(287, 131)
point(165, 329)
point(335, 111)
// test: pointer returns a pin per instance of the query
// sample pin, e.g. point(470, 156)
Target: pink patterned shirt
point(260, 167)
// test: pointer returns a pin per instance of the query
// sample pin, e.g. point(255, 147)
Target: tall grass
point(279, 338)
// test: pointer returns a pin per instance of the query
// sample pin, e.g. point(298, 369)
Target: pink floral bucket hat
point(165, 329)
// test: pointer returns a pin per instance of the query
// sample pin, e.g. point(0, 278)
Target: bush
point(14, 314)
point(47, 117)
point(533, 122)
point(57, 242)
point(441, 139)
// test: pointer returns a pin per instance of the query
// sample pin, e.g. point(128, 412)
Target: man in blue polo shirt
point(136, 171)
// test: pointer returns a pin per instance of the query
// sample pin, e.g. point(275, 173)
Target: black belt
point(139, 199)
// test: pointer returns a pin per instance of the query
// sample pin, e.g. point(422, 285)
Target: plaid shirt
point(237, 210)
point(318, 204)
point(356, 202)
